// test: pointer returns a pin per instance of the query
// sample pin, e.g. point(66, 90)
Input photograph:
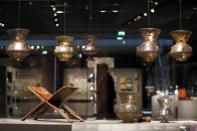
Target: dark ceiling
point(37, 15)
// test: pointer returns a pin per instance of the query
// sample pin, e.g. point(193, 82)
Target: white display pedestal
point(96, 125)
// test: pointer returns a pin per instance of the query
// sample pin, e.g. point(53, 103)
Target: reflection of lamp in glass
point(64, 51)
point(89, 49)
point(149, 50)
point(181, 51)
point(18, 48)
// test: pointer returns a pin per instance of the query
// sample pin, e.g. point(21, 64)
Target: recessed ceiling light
point(2, 25)
point(187, 17)
point(59, 12)
point(156, 3)
point(56, 19)
point(38, 47)
point(83, 46)
point(103, 11)
point(54, 9)
point(115, 4)
point(115, 11)
point(123, 42)
point(32, 47)
point(55, 14)
point(57, 24)
point(135, 19)
point(145, 14)
point(194, 8)
point(152, 10)
point(52, 6)
point(139, 17)
point(119, 38)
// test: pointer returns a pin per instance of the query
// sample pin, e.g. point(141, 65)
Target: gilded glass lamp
point(181, 51)
point(64, 51)
point(89, 49)
point(149, 49)
point(18, 49)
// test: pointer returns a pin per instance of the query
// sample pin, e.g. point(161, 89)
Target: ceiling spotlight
point(56, 19)
point(152, 10)
point(55, 14)
point(83, 46)
point(145, 14)
point(54, 9)
point(187, 17)
point(60, 12)
point(57, 24)
point(115, 4)
point(38, 47)
point(139, 17)
point(42, 47)
point(115, 11)
point(135, 19)
point(52, 6)
point(0, 24)
point(119, 38)
point(156, 3)
point(123, 42)
point(32, 47)
point(102, 11)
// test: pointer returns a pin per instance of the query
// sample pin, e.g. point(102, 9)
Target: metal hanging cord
point(90, 16)
point(64, 17)
point(180, 14)
point(19, 12)
point(148, 13)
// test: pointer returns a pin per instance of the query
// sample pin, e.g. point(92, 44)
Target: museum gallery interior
point(98, 65)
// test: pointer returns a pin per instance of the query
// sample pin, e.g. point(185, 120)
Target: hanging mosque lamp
point(18, 49)
point(149, 49)
point(64, 51)
point(89, 48)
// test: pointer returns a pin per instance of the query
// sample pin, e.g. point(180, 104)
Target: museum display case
point(129, 66)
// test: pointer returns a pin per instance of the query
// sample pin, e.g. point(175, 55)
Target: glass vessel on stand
point(164, 112)
point(128, 110)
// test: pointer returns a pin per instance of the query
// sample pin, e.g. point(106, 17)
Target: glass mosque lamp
point(64, 51)
point(149, 50)
point(181, 51)
point(89, 49)
point(18, 49)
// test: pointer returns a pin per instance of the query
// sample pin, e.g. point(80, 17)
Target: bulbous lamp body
point(89, 49)
point(18, 48)
point(149, 50)
point(64, 51)
point(181, 51)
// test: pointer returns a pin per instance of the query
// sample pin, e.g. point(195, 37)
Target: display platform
point(93, 125)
